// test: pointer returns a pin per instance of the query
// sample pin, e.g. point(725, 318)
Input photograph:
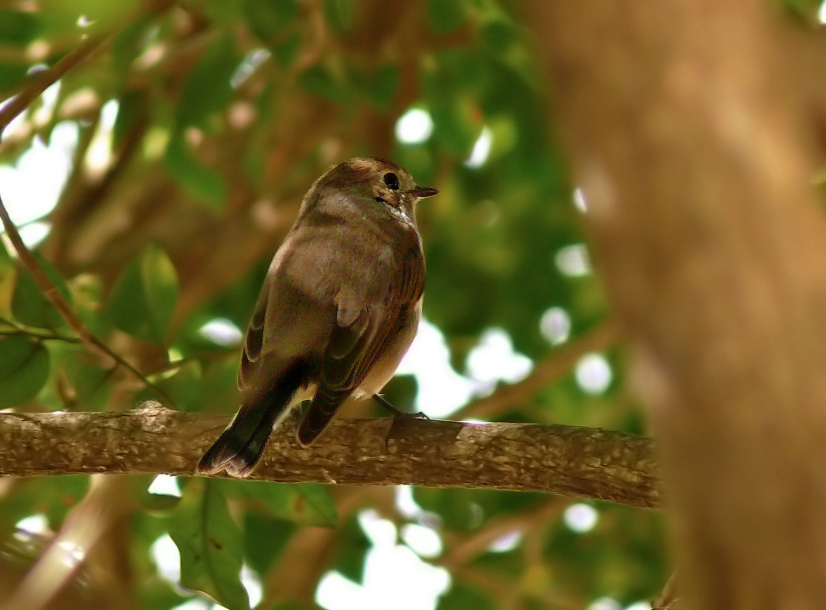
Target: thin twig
point(463, 552)
point(40, 81)
point(20, 330)
point(668, 597)
point(40, 336)
point(51, 292)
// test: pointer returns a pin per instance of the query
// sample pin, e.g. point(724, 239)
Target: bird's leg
point(398, 416)
point(397, 412)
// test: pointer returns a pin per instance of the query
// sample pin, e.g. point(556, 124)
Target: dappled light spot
point(379, 531)
point(221, 331)
point(165, 485)
point(252, 583)
point(414, 126)
point(579, 200)
point(248, 65)
point(508, 542)
point(73, 554)
point(481, 149)
point(441, 389)
point(99, 156)
point(33, 524)
point(555, 325)
point(394, 576)
point(580, 518)
point(573, 260)
point(425, 541)
point(593, 374)
point(26, 195)
point(405, 502)
point(34, 233)
point(167, 559)
point(493, 359)
point(605, 603)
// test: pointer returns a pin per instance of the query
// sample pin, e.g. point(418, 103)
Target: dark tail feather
point(325, 404)
point(240, 446)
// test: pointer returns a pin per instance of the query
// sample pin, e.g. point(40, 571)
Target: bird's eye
point(392, 181)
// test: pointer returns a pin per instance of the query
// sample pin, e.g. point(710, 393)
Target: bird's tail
point(240, 446)
point(325, 404)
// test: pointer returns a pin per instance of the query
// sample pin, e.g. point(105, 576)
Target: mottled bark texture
point(558, 459)
point(688, 129)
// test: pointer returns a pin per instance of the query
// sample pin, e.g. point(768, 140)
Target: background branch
point(558, 363)
point(40, 81)
point(52, 293)
point(565, 460)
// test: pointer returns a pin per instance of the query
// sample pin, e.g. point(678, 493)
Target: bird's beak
point(423, 191)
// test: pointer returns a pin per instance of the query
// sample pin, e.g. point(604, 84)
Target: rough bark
point(689, 137)
point(564, 460)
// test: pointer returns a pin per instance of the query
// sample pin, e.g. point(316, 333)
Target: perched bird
point(339, 308)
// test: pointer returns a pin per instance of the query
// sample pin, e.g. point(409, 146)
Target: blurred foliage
point(225, 111)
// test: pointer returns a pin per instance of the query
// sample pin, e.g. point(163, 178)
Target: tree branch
point(41, 81)
point(565, 460)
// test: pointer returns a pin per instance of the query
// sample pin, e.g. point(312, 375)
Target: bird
point(339, 307)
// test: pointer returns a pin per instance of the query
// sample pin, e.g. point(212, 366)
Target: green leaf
point(159, 502)
point(207, 88)
point(144, 297)
point(131, 41)
point(341, 14)
point(300, 503)
point(225, 11)
point(269, 18)
point(264, 539)
point(133, 108)
point(102, 14)
point(383, 87)
point(11, 75)
point(315, 504)
point(210, 545)
point(286, 52)
point(28, 304)
point(64, 492)
point(461, 596)
point(5, 257)
point(198, 180)
point(24, 369)
point(182, 385)
point(91, 384)
point(456, 507)
point(352, 550)
point(327, 80)
point(8, 277)
point(53, 497)
point(18, 27)
point(445, 15)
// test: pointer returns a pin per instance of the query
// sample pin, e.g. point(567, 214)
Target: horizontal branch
point(564, 460)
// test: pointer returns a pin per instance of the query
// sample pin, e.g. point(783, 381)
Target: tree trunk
point(688, 135)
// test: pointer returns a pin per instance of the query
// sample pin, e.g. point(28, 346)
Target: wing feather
point(355, 349)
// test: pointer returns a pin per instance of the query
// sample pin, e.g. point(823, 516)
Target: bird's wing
point(248, 370)
point(358, 340)
point(292, 317)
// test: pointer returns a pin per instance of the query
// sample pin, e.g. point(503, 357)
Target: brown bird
point(339, 308)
